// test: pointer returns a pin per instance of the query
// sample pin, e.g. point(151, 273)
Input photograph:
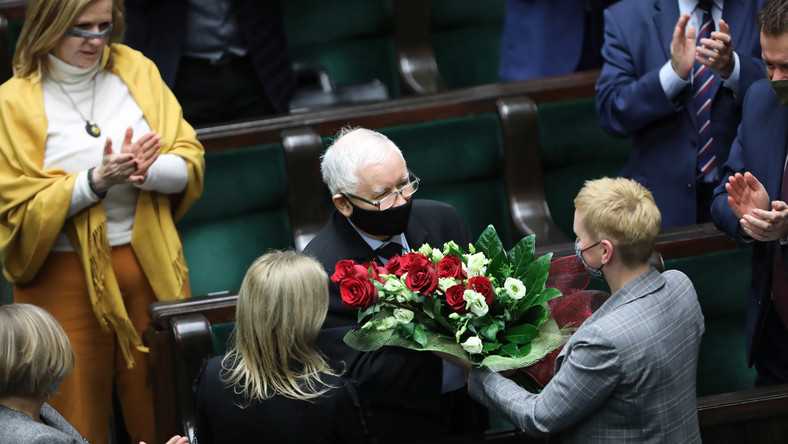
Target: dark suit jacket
point(631, 102)
point(16, 427)
point(158, 28)
point(402, 386)
point(332, 418)
point(759, 148)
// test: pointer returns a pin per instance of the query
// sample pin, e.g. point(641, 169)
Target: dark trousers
point(771, 360)
point(222, 92)
point(704, 193)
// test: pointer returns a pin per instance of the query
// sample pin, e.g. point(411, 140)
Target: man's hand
point(767, 225)
point(717, 52)
point(682, 48)
point(745, 194)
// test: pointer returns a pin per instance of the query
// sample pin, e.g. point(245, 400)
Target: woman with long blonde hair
point(273, 383)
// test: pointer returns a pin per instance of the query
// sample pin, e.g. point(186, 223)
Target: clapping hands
point(715, 52)
point(130, 165)
point(758, 217)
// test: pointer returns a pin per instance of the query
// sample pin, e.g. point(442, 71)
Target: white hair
point(352, 150)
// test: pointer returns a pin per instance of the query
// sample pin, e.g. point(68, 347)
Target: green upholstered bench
point(466, 40)
point(351, 39)
point(573, 149)
point(242, 213)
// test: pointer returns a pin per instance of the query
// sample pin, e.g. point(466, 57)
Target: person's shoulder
point(17, 89)
point(16, 427)
point(127, 59)
point(628, 9)
point(760, 97)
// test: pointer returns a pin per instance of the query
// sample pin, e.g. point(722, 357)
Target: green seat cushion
point(460, 162)
point(574, 149)
point(722, 281)
point(220, 336)
point(466, 38)
point(241, 215)
point(352, 39)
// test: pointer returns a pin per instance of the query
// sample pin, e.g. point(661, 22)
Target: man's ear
point(342, 204)
point(607, 251)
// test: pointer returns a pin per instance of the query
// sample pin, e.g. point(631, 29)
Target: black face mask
point(781, 89)
point(384, 222)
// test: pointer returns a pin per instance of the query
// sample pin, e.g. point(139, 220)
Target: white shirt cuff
point(732, 82)
point(82, 196)
point(671, 83)
point(168, 175)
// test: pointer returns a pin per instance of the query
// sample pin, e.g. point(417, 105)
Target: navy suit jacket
point(158, 29)
point(631, 101)
point(760, 149)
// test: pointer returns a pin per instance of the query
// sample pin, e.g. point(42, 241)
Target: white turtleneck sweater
point(71, 149)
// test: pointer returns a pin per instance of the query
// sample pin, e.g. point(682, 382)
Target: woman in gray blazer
point(35, 356)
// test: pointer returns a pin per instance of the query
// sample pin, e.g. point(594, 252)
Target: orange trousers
point(85, 396)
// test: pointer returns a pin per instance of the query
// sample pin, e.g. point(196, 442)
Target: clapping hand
point(115, 168)
point(746, 193)
point(717, 52)
point(767, 225)
point(760, 219)
point(145, 151)
point(682, 48)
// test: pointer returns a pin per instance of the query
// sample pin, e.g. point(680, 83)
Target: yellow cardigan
point(34, 202)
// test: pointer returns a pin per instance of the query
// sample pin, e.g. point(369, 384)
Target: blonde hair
point(46, 22)
point(35, 354)
point(282, 304)
point(622, 211)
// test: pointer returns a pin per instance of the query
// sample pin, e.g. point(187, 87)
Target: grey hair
point(352, 150)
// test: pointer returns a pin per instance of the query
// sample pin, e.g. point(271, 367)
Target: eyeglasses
point(103, 33)
point(387, 201)
point(583, 250)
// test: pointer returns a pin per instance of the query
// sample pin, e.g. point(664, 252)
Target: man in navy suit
point(751, 205)
point(674, 76)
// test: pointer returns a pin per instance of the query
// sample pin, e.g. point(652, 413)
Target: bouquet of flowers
point(483, 305)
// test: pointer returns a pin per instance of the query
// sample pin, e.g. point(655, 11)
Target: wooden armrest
point(415, 58)
point(743, 406)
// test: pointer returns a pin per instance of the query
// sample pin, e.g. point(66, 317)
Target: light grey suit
point(18, 428)
point(626, 375)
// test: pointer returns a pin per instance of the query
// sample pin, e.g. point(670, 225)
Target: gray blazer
point(627, 375)
point(18, 428)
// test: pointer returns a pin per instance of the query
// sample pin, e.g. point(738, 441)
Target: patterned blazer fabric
point(626, 375)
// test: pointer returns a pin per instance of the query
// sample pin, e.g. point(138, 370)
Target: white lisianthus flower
point(476, 264)
point(454, 316)
point(437, 255)
point(445, 283)
point(386, 323)
point(393, 285)
point(448, 246)
point(515, 288)
point(403, 315)
point(473, 345)
point(426, 250)
point(475, 303)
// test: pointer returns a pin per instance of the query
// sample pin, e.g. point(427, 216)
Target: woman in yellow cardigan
point(96, 164)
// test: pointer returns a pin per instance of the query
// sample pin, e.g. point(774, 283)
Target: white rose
point(515, 288)
point(437, 255)
point(403, 315)
point(475, 303)
point(476, 264)
point(393, 285)
point(426, 250)
point(446, 283)
point(473, 345)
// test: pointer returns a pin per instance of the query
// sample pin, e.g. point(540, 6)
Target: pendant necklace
point(90, 127)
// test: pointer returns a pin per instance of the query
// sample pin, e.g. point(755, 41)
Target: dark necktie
point(389, 250)
point(779, 270)
point(703, 82)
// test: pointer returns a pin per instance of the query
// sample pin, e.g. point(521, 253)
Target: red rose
point(454, 298)
point(374, 270)
point(393, 266)
point(342, 269)
point(482, 285)
point(410, 260)
point(357, 292)
point(450, 267)
point(422, 278)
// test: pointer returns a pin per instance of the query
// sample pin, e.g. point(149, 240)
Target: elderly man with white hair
point(377, 217)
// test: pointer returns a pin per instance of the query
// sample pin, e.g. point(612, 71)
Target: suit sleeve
point(589, 374)
point(625, 102)
point(751, 70)
point(721, 212)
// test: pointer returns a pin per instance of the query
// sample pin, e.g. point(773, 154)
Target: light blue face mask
point(593, 271)
point(781, 89)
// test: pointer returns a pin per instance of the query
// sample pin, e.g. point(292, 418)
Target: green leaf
point(536, 276)
point(534, 315)
point(372, 309)
point(490, 244)
point(406, 330)
point(521, 334)
point(521, 256)
point(367, 340)
point(420, 335)
point(488, 347)
point(548, 294)
point(549, 339)
point(509, 350)
point(523, 350)
point(491, 331)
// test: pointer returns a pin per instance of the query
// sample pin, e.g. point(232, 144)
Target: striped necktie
point(703, 82)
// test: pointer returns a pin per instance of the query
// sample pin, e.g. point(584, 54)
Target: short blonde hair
point(622, 211)
point(46, 22)
point(282, 304)
point(35, 354)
